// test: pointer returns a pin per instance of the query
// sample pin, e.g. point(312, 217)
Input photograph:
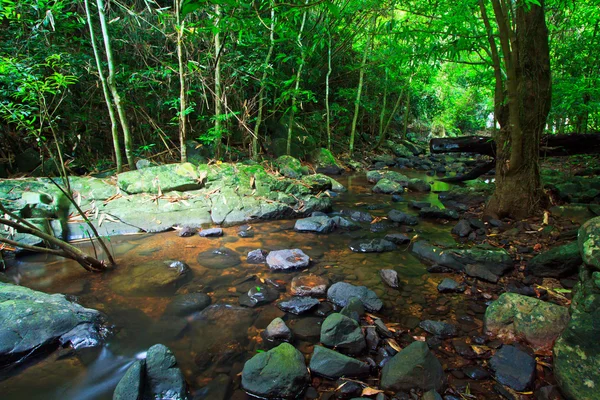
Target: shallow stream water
point(222, 341)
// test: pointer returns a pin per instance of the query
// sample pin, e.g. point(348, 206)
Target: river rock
point(290, 167)
point(277, 330)
point(377, 175)
point(152, 278)
point(317, 183)
point(340, 293)
point(221, 258)
point(287, 259)
point(462, 228)
point(309, 285)
point(372, 246)
point(413, 367)
point(588, 239)
point(418, 185)
point(343, 223)
point(389, 277)
point(513, 368)
point(439, 328)
point(187, 231)
point(438, 213)
point(258, 295)
point(166, 178)
point(277, 373)
point(402, 218)
point(576, 361)
point(558, 262)
point(307, 329)
point(32, 321)
point(342, 333)
point(418, 205)
point(334, 365)
point(298, 305)
point(156, 377)
point(514, 316)
point(325, 162)
point(187, 304)
point(451, 286)
point(257, 256)
point(357, 215)
point(319, 224)
point(354, 309)
point(397, 238)
point(387, 186)
point(212, 232)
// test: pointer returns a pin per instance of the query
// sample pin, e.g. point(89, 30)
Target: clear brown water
point(205, 348)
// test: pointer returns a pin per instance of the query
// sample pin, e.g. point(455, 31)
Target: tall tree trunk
point(361, 79)
point(383, 106)
point(111, 112)
point(288, 149)
point(113, 87)
point(263, 83)
point(406, 116)
point(327, 111)
point(527, 61)
point(182, 99)
point(218, 104)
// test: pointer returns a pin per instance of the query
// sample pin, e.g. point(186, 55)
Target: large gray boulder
point(340, 293)
point(32, 321)
point(156, 377)
point(164, 178)
point(342, 333)
point(413, 367)
point(514, 316)
point(277, 373)
point(318, 224)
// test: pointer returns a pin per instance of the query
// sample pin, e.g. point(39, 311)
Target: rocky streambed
point(398, 291)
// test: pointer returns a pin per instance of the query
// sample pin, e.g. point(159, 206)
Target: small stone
point(476, 373)
point(342, 333)
point(309, 285)
point(333, 365)
point(439, 328)
point(212, 232)
point(403, 218)
point(186, 231)
point(277, 330)
point(298, 305)
point(462, 228)
point(397, 238)
point(451, 286)
point(287, 259)
point(257, 256)
point(513, 368)
point(340, 294)
point(354, 309)
point(389, 277)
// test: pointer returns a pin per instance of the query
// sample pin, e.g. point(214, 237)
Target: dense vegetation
point(295, 75)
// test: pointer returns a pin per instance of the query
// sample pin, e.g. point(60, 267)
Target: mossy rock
point(325, 162)
point(166, 178)
point(290, 167)
point(588, 239)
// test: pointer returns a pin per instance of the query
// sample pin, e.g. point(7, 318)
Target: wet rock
point(245, 231)
point(418, 205)
point(372, 246)
point(393, 176)
point(317, 183)
point(259, 295)
point(403, 218)
point(308, 329)
point(451, 286)
point(463, 348)
point(357, 215)
point(151, 278)
point(382, 328)
point(513, 368)
point(389, 277)
point(548, 393)
point(343, 223)
point(32, 321)
point(277, 330)
point(354, 309)
point(309, 285)
point(397, 238)
point(479, 271)
point(277, 373)
point(514, 316)
point(217, 389)
point(418, 185)
point(397, 198)
point(431, 395)
point(319, 224)
point(476, 373)
point(413, 367)
point(325, 162)
point(287, 259)
point(438, 213)
point(372, 338)
point(334, 365)
point(342, 333)
point(340, 293)
point(221, 258)
point(439, 328)
point(257, 256)
point(576, 362)
point(558, 262)
point(462, 228)
point(298, 305)
point(156, 377)
point(186, 231)
point(187, 304)
point(387, 186)
point(212, 232)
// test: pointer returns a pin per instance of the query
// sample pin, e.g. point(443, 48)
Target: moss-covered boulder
point(537, 322)
point(164, 178)
point(325, 163)
point(399, 149)
point(277, 373)
point(376, 175)
point(32, 321)
point(589, 242)
point(557, 262)
point(317, 182)
point(576, 352)
point(290, 167)
point(387, 186)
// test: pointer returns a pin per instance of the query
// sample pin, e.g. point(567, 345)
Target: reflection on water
point(220, 339)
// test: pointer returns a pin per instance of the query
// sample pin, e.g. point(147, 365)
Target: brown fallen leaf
point(394, 345)
point(369, 391)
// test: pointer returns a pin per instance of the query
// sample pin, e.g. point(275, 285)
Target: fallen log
point(473, 174)
point(550, 145)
